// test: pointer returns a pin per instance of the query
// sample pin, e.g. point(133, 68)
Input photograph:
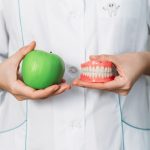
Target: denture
point(96, 71)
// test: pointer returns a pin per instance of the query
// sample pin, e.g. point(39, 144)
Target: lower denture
point(96, 71)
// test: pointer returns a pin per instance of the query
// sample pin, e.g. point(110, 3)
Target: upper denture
point(96, 71)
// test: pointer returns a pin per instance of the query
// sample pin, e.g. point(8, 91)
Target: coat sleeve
point(3, 35)
point(3, 44)
point(148, 23)
point(148, 18)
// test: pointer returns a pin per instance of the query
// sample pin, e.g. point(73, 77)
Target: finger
point(20, 98)
point(19, 55)
point(63, 88)
point(101, 57)
point(112, 58)
point(120, 92)
point(117, 83)
point(21, 89)
point(44, 93)
point(104, 57)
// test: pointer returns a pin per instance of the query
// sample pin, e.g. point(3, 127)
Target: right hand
point(11, 82)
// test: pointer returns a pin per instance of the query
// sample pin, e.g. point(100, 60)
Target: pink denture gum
point(96, 71)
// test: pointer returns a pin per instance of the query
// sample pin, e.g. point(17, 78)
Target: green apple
point(41, 69)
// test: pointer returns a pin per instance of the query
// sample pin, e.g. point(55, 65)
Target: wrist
point(145, 60)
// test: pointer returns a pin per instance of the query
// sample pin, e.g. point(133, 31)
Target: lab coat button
point(73, 14)
point(72, 70)
point(75, 124)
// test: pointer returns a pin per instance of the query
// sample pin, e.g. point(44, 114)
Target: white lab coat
point(79, 119)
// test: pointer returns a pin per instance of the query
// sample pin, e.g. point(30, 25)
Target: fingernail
point(31, 43)
point(92, 57)
point(56, 87)
point(75, 82)
point(68, 88)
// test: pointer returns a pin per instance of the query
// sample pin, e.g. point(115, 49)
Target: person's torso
point(80, 119)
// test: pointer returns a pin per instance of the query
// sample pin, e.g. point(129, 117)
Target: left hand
point(130, 67)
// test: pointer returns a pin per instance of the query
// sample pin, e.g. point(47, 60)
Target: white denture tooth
point(99, 75)
point(110, 74)
point(82, 69)
point(105, 69)
point(90, 74)
point(96, 75)
point(109, 69)
point(97, 69)
point(102, 69)
point(93, 69)
point(90, 68)
point(93, 75)
point(104, 75)
point(86, 69)
point(107, 75)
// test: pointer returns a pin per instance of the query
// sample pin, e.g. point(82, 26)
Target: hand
point(11, 82)
point(129, 66)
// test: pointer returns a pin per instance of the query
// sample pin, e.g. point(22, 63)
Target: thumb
point(19, 55)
